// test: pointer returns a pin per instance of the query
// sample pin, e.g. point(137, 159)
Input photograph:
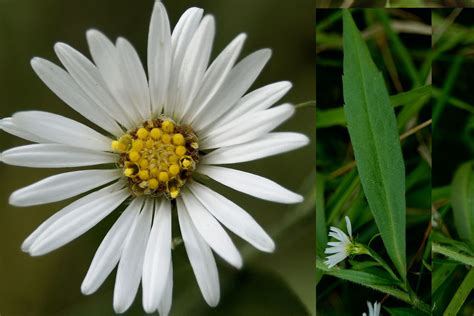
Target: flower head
point(373, 310)
point(155, 132)
point(340, 249)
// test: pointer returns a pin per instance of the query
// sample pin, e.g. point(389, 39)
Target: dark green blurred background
point(277, 284)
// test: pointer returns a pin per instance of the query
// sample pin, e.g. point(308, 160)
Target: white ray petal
point(268, 145)
point(159, 57)
point(62, 186)
point(247, 127)
point(215, 77)
point(255, 101)
point(239, 80)
point(233, 217)
point(333, 260)
point(59, 129)
point(55, 156)
point(66, 210)
point(200, 256)
point(157, 257)
point(64, 86)
point(194, 65)
point(130, 267)
point(88, 77)
point(340, 235)
point(78, 221)
point(210, 230)
point(135, 83)
point(7, 125)
point(251, 184)
point(336, 235)
point(337, 249)
point(348, 225)
point(180, 38)
point(108, 254)
point(109, 65)
point(164, 307)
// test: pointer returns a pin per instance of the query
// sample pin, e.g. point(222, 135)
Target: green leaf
point(370, 280)
point(373, 131)
point(461, 294)
point(331, 117)
point(408, 4)
point(456, 245)
point(462, 200)
point(453, 254)
point(410, 96)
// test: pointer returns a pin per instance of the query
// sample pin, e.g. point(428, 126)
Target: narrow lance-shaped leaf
point(462, 199)
point(372, 127)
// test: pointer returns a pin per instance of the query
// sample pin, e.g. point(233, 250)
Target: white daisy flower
point(157, 133)
point(340, 249)
point(373, 310)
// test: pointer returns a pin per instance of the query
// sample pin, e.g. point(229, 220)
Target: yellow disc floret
point(173, 170)
point(178, 139)
point(137, 145)
point(168, 126)
point(174, 192)
point(158, 157)
point(128, 172)
point(144, 174)
point(153, 184)
point(180, 150)
point(166, 139)
point(186, 162)
point(142, 133)
point(156, 133)
point(133, 156)
point(163, 176)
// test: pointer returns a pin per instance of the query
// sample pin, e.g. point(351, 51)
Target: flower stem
point(384, 264)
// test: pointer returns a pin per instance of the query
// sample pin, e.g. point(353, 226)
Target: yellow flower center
point(158, 158)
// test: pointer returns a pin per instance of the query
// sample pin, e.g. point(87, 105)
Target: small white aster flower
point(157, 132)
point(340, 249)
point(373, 310)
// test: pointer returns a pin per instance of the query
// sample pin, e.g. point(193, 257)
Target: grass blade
point(373, 131)
point(461, 294)
point(462, 200)
point(399, 49)
point(448, 85)
point(453, 254)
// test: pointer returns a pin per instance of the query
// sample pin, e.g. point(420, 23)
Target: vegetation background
point(453, 148)
point(394, 3)
point(275, 284)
